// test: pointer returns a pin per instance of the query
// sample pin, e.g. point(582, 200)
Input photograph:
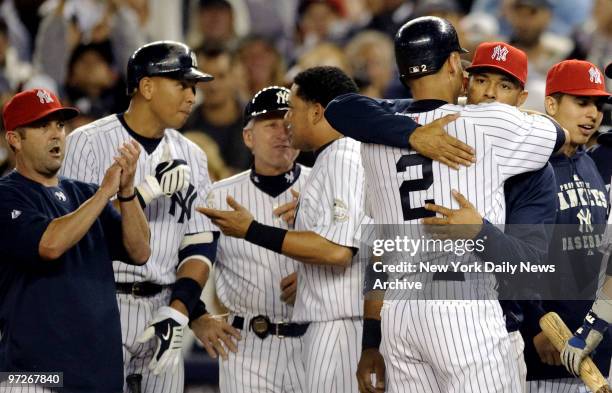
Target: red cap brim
point(495, 66)
point(67, 113)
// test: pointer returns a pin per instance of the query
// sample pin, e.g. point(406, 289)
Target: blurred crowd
point(79, 49)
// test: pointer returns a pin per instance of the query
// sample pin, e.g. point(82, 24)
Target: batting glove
point(584, 341)
point(170, 177)
point(167, 326)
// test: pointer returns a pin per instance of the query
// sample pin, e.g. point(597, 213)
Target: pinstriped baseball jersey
point(247, 276)
point(89, 152)
point(507, 142)
point(331, 205)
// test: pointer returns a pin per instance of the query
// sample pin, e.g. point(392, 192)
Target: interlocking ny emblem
point(499, 53)
point(183, 202)
point(585, 221)
point(44, 97)
point(595, 75)
point(282, 97)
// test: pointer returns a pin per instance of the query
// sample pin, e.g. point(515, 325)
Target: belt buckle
point(137, 289)
point(260, 325)
point(278, 325)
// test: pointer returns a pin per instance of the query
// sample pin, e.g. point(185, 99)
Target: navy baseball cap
point(609, 70)
point(268, 100)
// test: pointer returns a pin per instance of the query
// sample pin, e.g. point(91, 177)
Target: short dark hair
point(323, 84)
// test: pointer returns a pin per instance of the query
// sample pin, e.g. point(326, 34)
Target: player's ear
point(316, 112)
point(247, 135)
point(146, 87)
point(522, 97)
point(551, 105)
point(13, 138)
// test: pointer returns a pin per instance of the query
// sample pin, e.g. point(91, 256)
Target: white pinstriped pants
point(561, 385)
point(518, 346)
point(331, 353)
point(447, 347)
point(263, 366)
point(135, 313)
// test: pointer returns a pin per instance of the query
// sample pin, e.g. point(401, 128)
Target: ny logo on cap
point(595, 75)
point(499, 53)
point(44, 97)
point(282, 97)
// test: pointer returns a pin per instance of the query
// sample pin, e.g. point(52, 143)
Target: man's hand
point(584, 341)
point(371, 362)
point(127, 160)
point(546, 350)
point(110, 183)
point(466, 216)
point(234, 223)
point(167, 326)
point(432, 141)
point(216, 335)
point(287, 211)
point(170, 177)
point(289, 288)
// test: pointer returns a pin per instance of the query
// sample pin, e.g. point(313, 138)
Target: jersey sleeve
point(340, 211)
point(371, 120)
point(80, 162)
point(22, 226)
point(520, 142)
point(200, 239)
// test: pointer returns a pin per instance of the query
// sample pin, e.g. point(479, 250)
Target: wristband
point(372, 334)
point(126, 199)
point(198, 311)
point(188, 291)
point(266, 236)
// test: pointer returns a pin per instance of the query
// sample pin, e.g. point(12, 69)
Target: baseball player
point(248, 277)
point(326, 236)
point(530, 197)
point(593, 330)
point(58, 238)
point(155, 300)
point(601, 152)
point(420, 345)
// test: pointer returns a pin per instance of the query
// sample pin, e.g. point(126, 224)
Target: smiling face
point(171, 100)
point(298, 120)
point(581, 116)
point(39, 147)
point(269, 139)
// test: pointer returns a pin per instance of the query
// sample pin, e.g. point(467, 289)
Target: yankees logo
point(499, 53)
point(282, 97)
point(44, 97)
point(595, 76)
point(60, 195)
point(184, 202)
point(585, 221)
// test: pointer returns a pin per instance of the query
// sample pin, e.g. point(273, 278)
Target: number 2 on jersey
point(408, 186)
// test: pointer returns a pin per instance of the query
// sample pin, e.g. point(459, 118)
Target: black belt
point(143, 289)
point(262, 327)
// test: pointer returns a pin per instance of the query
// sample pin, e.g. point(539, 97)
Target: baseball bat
point(133, 381)
point(558, 333)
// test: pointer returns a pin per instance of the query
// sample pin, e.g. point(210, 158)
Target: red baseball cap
point(31, 105)
point(575, 77)
point(501, 56)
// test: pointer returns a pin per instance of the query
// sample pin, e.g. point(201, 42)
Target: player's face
point(494, 87)
point(270, 142)
point(580, 115)
point(40, 146)
point(172, 100)
point(298, 121)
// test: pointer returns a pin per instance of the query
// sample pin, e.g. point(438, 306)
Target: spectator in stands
point(215, 23)
point(259, 65)
point(371, 56)
point(319, 21)
point(91, 85)
point(220, 114)
point(61, 31)
point(530, 20)
point(593, 39)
